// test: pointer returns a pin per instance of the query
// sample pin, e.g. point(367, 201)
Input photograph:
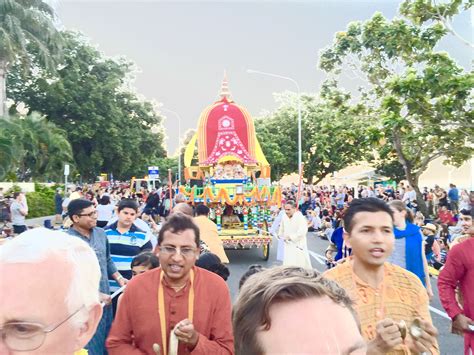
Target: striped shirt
point(124, 247)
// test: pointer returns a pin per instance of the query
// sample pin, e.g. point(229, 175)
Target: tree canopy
point(333, 135)
point(109, 128)
point(418, 98)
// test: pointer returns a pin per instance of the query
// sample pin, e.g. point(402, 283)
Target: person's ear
point(347, 238)
point(89, 327)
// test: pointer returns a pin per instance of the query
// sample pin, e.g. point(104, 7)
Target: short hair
point(127, 203)
point(76, 206)
point(16, 194)
point(400, 206)
point(251, 311)
point(212, 263)
point(292, 203)
point(105, 200)
point(467, 212)
point(202, 210)
point(369, 204)
point(39, 244)
point(252, 270)
point(178, 222)
point(179, 198)
point(147, 258)
point(183, 208)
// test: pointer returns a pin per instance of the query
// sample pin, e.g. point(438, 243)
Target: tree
point(423, 11)
point(333, 136)
point(109, 128)
point(25, 24)
point(419, 99)
point(39, 148)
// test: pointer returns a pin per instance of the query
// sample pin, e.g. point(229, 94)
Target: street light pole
point(179, 137)
point(251, 71)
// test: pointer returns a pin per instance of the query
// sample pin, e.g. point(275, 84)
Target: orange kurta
point(401, 297)
point(137, 324)
point(210, 236)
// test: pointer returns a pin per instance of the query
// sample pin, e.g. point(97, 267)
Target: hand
point(122, 281)
point(157, 349)
point(461, 324)
point(388, 337)
point(105, 299)
point(186, 333)
point(426, 341)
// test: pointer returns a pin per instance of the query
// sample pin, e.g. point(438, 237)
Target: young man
point(291, 310)
point(41, 310)
point(384, 294)
point(465, 221)
point(126, 240)
point(84, 220)
point(459, 270)
point(177, 306)
point(18, 212)
point(209, 234)
point(293, 230)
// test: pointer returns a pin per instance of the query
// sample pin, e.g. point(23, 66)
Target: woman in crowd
point(408, 251)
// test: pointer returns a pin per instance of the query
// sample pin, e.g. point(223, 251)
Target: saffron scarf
point(413, 249)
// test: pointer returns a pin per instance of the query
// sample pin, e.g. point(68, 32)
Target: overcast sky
point(182, 48)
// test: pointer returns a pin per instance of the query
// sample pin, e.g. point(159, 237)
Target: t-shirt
point(105, 212)
point(17, 218)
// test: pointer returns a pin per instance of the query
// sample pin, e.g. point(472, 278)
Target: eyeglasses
point(26, 336)
point(185, 251)
point(92, 214)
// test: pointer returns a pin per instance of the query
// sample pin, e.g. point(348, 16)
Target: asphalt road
point(240, 260)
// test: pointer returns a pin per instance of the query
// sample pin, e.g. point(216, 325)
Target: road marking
point(440, 313)
point(319, 258)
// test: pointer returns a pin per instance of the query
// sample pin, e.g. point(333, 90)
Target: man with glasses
point(49, 299)
point(83, 216)
point(177, 307)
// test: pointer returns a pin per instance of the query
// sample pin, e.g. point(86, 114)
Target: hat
point(430, 227)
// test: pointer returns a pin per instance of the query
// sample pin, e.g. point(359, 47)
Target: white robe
point(296, 249)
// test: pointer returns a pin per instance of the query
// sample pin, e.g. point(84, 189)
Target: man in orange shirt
point(209, 234)
point(180, 307)
point(388, 299)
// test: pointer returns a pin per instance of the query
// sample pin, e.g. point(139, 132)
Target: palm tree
point(26, 24)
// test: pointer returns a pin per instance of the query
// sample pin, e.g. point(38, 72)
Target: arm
point(120, 340)
point(111, 268)
point(429, 290)
point(301, 231)
point(221, 339)
point(453, 271)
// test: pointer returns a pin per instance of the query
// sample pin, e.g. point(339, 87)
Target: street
point(240, 260)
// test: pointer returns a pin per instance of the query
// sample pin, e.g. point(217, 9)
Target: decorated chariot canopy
point(226, 142)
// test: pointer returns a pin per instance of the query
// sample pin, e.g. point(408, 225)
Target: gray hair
point(40, 244)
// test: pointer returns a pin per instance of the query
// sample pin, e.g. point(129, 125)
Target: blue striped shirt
point(124, 247)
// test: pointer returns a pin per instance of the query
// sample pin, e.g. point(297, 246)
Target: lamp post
point(251, 71)
point(179, 137)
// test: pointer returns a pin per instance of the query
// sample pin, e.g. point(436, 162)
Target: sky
point(182, 48)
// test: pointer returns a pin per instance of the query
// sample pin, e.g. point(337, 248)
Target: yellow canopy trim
point(189, 152)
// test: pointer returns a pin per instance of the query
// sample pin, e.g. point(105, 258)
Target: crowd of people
point(146, 276)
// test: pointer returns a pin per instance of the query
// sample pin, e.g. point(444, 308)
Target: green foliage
point(419, 99)
point(33, 148)
point(421, 11)
point(108, 127)
point(332, 137)
point(24, 25)
point(41, 202)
